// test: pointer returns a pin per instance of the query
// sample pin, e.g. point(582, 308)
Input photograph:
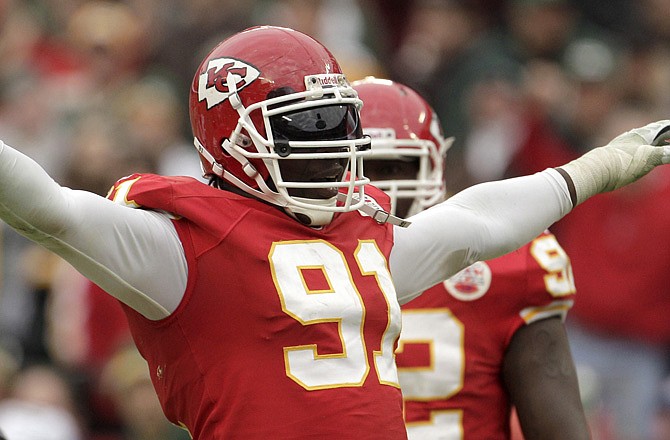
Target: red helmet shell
point(388, 104)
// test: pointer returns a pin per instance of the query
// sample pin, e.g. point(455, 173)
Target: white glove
point(624, 160)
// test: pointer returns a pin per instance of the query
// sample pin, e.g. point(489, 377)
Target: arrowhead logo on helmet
point(213, 83)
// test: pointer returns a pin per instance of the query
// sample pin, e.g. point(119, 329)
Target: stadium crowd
point(95, 90)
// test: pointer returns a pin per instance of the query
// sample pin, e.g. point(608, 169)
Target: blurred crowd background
point(95, 90)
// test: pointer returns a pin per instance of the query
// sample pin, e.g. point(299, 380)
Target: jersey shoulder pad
point(156, 192)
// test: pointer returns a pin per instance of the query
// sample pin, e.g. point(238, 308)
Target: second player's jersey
point(284, 331)
point(455, 335)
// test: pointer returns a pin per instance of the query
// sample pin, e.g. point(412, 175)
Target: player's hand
point(663, 140)
point(656, 133)
point(624, 160)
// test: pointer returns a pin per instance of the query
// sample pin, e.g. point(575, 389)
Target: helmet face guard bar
point(427, 188)
point(424, 195)
point(354, 181)
point(337, 107)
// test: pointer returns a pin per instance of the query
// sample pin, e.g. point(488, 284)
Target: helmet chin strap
point(372, 209)
point(312, 217)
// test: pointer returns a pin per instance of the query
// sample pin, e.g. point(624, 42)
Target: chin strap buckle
point(379, 215)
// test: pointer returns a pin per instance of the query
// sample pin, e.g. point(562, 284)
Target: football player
point(491, 336)
point(267, 303)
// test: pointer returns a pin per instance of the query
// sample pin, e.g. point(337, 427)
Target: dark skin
point(538, 371)
point(386, 169)
point(330, 122)
point(540, 376)
point(313, 170)
point(301, 170)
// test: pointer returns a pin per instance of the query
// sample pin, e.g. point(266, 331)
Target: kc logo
point(471, 283)
point(213, 83)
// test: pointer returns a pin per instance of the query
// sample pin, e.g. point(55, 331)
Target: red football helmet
point(269, 95)
point(403, 126)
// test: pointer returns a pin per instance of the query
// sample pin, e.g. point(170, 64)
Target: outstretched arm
point(480, 223)
point(494, 218)
point(114, 246)
point(541, 380)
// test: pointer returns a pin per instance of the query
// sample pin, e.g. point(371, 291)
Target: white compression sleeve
point(133, 254)
point(479, 223)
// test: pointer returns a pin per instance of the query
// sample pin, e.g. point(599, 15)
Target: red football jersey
point(285, 331)
point(620, 236)
point(455, 335)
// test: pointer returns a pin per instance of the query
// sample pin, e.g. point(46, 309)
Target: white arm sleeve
point(482, 222)
point(133, 254)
